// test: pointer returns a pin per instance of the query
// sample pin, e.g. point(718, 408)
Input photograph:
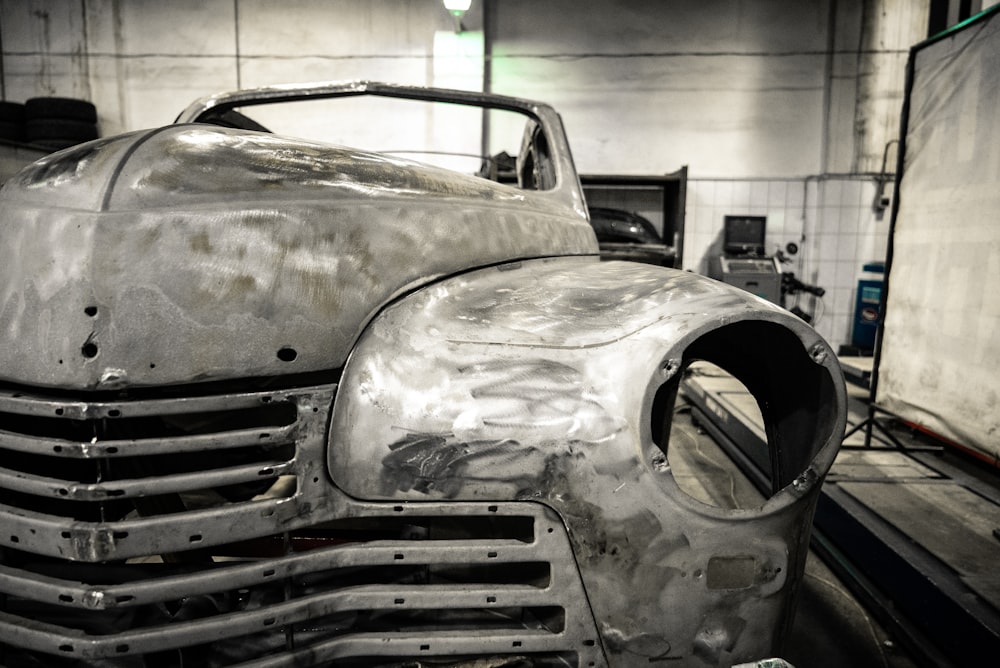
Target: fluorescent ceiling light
point(459, 6)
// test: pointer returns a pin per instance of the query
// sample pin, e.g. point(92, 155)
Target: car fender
point(550, 381)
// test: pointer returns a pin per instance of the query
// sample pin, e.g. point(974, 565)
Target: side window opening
point(535, 169)
point(761, 371)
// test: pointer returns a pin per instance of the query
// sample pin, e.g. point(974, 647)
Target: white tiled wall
point(831, 219)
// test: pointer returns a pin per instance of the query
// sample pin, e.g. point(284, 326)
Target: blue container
point(868, 307)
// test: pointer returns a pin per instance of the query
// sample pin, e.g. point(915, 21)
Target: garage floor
point(832, 628)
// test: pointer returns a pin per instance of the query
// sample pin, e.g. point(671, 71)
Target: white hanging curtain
point(940, 355)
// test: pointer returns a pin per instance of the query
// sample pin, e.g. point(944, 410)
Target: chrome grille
point(205, 531)
point(457, 581)
point(101, 480)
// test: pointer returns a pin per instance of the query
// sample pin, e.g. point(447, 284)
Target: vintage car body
point(274, 402)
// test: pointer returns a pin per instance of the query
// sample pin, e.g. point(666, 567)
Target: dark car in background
point(624, 235)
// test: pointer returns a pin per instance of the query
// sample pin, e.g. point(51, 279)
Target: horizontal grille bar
point(397, 645)
point(147, 446)
point(140, 537)
point(38, 405)
point(39, 638)
point(40, 588)
point(140, 487)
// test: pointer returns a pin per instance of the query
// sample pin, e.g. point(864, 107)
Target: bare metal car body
point(274, 402)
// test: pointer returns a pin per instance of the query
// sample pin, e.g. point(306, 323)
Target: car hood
point(194, 253)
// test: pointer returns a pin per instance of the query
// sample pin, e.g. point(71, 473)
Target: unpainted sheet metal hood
point(194, 253)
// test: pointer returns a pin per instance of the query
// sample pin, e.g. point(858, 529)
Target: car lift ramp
point(914, 532)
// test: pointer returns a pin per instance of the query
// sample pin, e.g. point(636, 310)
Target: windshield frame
point(565, 184)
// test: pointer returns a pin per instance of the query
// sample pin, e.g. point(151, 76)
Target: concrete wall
point(732, 88)
point(778, 107)
point(142, 61)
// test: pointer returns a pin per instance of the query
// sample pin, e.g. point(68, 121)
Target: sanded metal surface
point(497, 390)
point(243, 255)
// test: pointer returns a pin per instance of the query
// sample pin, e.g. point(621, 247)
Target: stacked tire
point(56, 123)
point(12, 121)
